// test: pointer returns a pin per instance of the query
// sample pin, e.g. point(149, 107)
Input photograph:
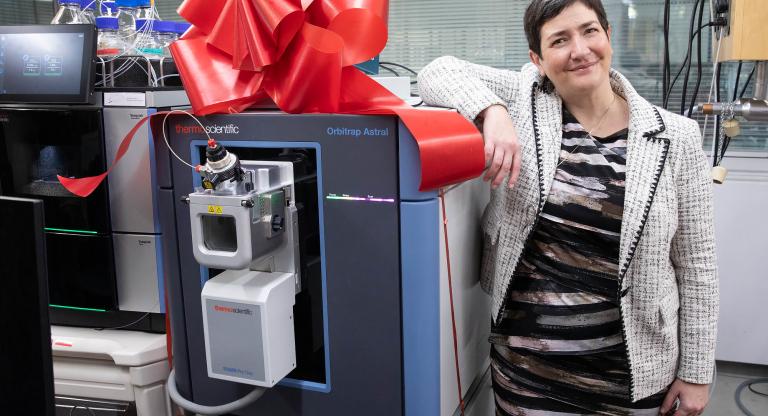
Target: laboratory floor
point(729, 376)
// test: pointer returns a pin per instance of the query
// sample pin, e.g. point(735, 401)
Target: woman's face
point(575, 50)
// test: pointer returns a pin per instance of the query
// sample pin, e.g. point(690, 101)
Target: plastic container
point(109, 42)
point(146, 39)
point(166, 34)
point(68, 13)
point(126, 19)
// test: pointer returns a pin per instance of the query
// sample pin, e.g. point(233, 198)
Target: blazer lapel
point(548, 132)
point(646, 158)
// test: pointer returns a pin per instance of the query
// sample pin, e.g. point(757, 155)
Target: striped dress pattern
point(558, 348)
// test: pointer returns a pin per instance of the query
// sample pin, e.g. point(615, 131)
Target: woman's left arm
point(693, 257)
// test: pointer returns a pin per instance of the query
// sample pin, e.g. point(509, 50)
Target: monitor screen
point(46, 63)
point(26, 378)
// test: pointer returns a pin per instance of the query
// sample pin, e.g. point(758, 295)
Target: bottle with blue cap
point(126, 19)
point(68, 13)
point(146, 39)
point(166, 34)
point(109, 43)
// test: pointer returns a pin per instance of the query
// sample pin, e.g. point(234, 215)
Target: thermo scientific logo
point(227, 309)
point(212, 129)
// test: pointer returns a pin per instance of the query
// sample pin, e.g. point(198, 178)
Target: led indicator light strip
point(76, 308)
point(64, 230)
point(369, 198)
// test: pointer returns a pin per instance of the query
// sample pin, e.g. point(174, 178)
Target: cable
point(742, 386)
point(666, 70)
point(690, 59)
point(736, 87)
point(746, 84)
point(79, 406)
point(127, 325)
point(399, 66)
point(230, 407)
point(390, 70)
point(698, 63)
point(165, 137)
point(715, 69)
point(689, 56)
point(685, 61)
point(450, 293)
point(716, 150)
point(385, 64)
point(755, 391)
point(165, 76)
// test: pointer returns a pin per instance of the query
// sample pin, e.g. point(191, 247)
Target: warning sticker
point(215, 209)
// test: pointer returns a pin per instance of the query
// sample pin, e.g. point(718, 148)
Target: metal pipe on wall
point(761, 80)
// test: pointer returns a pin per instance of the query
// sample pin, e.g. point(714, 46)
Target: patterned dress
point(558, 348)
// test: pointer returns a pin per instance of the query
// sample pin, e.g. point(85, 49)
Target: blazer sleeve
point(467, 87)
point(694, 259)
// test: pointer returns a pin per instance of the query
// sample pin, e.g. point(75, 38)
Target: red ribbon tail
point(82, 186)
point(85, 186)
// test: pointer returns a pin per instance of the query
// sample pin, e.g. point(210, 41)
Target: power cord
point(698, 64)
point(748, 384)
point(746, 84)
point(141, 318)
point(230, 407)
point(386, 66)
point(80, 406)
point(666, 71)
point(690, 56)
point(390, 70)
point(755, 391)
point(450, 293)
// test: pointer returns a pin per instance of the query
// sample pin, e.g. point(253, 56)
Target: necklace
point(589, 133)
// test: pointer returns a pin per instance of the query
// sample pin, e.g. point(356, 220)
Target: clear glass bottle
point(145, 10)
point(109, 42)
point(126, 20)
point(68, 13)
point(166, 34)
point(88, 10)
point(146, 39)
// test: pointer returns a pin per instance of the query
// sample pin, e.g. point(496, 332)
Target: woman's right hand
point(502, 149)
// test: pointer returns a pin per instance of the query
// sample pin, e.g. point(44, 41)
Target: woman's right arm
point(470, 88)
point(481, 94)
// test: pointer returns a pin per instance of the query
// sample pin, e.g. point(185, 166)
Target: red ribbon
point(300, 54)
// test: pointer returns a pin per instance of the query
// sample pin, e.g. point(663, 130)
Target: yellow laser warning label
point(215, 209)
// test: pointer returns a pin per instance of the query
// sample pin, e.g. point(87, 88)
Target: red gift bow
point(301, 55)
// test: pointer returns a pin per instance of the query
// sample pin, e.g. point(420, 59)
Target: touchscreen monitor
point(47, 63)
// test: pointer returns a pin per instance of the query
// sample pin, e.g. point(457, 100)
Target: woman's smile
point(584, 68)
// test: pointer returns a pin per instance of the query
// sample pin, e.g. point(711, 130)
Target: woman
point(600, 254)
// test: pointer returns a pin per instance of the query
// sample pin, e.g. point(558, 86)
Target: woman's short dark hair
point(540, 12)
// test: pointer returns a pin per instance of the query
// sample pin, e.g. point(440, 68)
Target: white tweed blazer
point(667, 267)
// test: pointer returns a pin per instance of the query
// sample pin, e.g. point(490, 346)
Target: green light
point(64, 230)
point(76, 308)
